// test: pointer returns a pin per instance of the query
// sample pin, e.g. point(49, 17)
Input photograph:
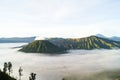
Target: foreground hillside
point(4, 76)
point(42, 46)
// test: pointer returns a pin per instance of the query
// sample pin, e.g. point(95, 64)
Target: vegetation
point(7, 69)
point(32, 76)
point(20, 73)
point(42, 46)
point(91, 42)
point(55, 45)
point(4, 76)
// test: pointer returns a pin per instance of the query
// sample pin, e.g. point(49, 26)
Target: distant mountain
point(42, 46)
point(92, 42)
point(4, 76)
point(100, 35)
point(115, 38)
point(54, 45)
point(17, 40)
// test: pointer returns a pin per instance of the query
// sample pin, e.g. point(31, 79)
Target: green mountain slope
point(4, 76)
point(42, 46)
point(91, 42)
point(54, 45)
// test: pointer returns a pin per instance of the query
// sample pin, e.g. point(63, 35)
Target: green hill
point(55, 45)
point(42, 46)
point(91, 42)
point(4, 76)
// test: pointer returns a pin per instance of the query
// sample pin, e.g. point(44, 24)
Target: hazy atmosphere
point(59, 39)
point(59, 18)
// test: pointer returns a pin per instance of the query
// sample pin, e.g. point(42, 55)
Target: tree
point(20, 73)
point(9, 67)
point(5, 67)
point(32, 76)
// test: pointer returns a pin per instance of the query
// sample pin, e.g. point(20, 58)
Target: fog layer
point(75, 64)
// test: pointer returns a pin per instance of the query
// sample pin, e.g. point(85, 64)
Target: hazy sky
point(60, 18)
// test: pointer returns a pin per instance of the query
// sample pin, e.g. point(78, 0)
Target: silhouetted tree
point(20, 73)
point(32, 76)
point(5, 67)
point(9, 67)
point(63, 79)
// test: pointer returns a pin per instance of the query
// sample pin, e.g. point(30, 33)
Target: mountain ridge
point(17, 40)
point(87, 43)
point(115, 38)
point(53, 45)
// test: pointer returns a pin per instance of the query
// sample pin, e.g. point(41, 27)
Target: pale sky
point(59, 18)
